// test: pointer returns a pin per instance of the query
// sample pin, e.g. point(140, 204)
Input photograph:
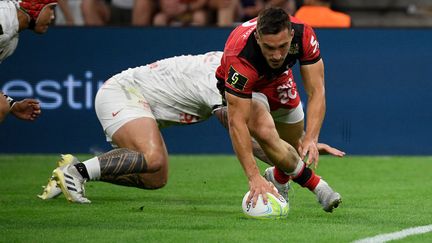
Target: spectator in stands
point(118, 12)
point(143, 10)
point(65, 16)
point(69, 13)
point(317, 13)
point(290, 6)
point(121, 12)
point(226, 11)
point(181, 12)
point(250, 9)
point(95, 12)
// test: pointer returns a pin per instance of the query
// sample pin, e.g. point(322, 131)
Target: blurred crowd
point(165, 12)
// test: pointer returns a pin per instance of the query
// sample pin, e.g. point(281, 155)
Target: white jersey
point(185, 83)
point(9, 29)
point(177, 90)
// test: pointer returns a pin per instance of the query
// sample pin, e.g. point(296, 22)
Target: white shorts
point(289, 116)
point(118, 102)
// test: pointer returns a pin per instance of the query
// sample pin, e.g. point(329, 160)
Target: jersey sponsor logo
point(314, 43)
point(188, 118)
point(144, 104)
point(250, 23)
point(286, 92)
point(294, 49)
point(236, 80)
point(153, 65)
point(116, 113)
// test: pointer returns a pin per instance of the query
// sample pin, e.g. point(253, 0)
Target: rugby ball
point(276, 208)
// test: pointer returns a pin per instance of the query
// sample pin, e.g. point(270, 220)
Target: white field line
point(396, 235)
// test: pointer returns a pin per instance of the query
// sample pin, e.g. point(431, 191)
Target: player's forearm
point(313, 80)
point(239, 111)
point(315, 115)
point(241, 141)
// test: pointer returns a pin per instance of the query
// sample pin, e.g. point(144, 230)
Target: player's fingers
point(300, 149)
point(264, 197)
point(274, 190)
point(308, 161)
point(255, 199)
point(303, 153)
point(314, 159)
point(249, 199)
point(336, 152)
point(32, 101)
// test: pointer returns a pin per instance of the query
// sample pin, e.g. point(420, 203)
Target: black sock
point(82, 170)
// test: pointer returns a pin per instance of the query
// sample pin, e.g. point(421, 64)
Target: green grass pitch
point(202, 203)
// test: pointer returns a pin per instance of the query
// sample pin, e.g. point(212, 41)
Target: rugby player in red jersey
point(257, 61)
point(132, 106)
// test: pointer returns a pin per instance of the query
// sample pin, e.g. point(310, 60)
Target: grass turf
point(202, 203)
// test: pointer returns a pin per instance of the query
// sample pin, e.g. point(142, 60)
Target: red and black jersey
point(244, 70)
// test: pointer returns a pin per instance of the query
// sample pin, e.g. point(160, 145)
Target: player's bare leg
point(288, 163)
point(290, 133)
point(144, 164)
point(263, 129)
point(143, 136)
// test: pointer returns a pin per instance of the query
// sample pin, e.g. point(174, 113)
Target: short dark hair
point(272, 21)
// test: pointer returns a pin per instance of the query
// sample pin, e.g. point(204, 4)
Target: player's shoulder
point(301, 29)
point(239, 37)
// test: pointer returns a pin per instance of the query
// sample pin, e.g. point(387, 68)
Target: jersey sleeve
point(311, 51)
point(240, 77)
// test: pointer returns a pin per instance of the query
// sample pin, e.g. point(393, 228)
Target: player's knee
point(265, 134)
point(156, 162)
point(157, 184)
point(153, 184)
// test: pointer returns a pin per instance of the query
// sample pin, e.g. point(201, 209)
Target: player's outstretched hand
point(26, 109)
point(327, 149)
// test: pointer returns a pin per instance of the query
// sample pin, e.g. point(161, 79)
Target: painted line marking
point(396, 235)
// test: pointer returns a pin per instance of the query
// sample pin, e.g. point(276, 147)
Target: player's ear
point(256, 36)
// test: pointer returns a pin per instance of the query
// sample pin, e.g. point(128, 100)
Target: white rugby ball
point(276, 208)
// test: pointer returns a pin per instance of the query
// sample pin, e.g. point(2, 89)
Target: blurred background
point(377, 59)
point(364, 13)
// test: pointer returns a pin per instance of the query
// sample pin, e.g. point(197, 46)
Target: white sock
point(321, 184)
point(297, 170)
point(93, 168)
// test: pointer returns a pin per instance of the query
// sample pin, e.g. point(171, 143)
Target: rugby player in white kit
point(132, 106)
